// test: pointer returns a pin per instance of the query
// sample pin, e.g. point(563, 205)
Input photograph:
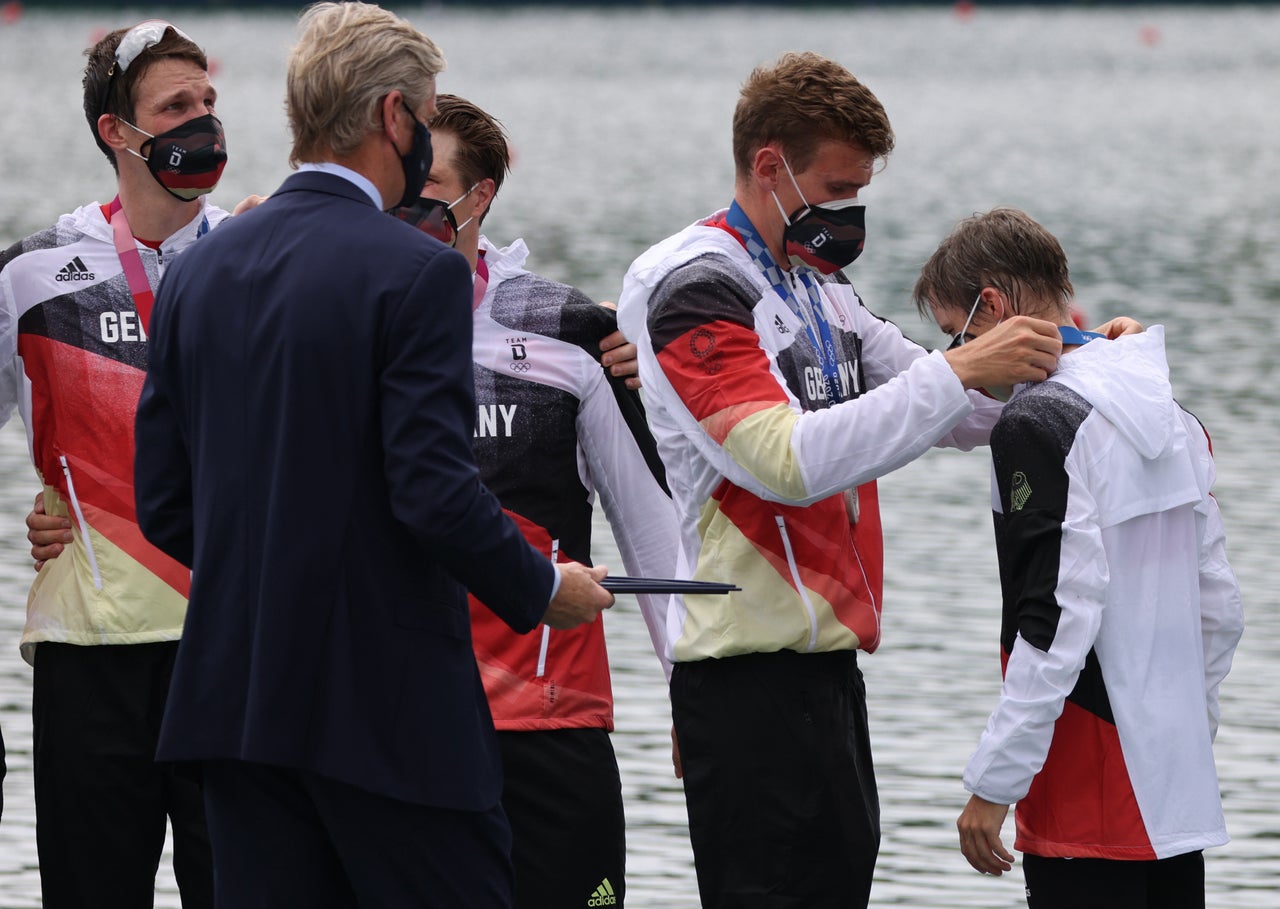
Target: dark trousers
point(285, 837)
point(778, 778)
point(1060, 883)
point(563, 796)
point(101, 799)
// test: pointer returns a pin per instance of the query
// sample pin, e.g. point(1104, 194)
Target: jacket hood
point(88, 220)
point(1127, 381)
point(504, 262)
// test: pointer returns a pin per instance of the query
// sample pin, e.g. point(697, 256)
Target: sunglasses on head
point(141, 37)
point(434, 217)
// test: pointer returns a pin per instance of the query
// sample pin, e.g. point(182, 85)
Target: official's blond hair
point(348, 58)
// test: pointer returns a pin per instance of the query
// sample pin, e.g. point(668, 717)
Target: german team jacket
point(553, 431)
point(773, 482)
point(72, 360)
point(1121, 613)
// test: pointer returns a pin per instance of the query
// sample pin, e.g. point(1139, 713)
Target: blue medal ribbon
point(1072, 335)
point(815, 323)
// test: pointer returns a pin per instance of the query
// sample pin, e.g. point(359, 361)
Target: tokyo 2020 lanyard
point(1072, 335)
point(815, 324)
point(134, 271)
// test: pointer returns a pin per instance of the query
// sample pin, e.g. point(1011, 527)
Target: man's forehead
point(834, 157)
point(945, 319)
point(172, 77)
point(444, 149)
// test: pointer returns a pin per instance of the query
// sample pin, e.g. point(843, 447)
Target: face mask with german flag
point(188, 159)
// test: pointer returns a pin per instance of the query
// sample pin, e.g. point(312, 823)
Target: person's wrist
point(555, 582)
point(960, 364)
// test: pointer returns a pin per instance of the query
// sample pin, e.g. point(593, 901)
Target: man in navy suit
point(304, 444)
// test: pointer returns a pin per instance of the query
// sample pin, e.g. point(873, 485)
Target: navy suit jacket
point(304, 444)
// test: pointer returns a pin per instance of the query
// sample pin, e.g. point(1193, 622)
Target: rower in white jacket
point(1121, 613)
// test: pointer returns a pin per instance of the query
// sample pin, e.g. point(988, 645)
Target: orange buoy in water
point(11, 12)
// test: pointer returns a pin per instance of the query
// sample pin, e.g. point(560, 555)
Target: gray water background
point(1146, 138)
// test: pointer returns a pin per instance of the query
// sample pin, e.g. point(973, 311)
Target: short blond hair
point(348, 58)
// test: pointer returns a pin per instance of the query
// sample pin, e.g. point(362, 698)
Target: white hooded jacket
point(1121, 613)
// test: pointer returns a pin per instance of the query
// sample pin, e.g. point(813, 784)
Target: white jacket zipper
point(84, 527)
point(866, 582)
point(800, 588)
point(546, 629)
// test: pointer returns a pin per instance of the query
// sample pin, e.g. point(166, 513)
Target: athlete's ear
point(996, 303)
point(111, 130)
point(766, 167)
point(484, 192)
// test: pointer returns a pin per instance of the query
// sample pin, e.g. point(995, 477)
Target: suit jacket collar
point(318, 182)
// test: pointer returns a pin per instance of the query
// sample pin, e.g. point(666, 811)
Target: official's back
point(333, 513)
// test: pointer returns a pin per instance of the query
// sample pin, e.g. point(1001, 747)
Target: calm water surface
point(1144, 138)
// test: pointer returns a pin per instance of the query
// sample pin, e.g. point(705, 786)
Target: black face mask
point(188, 159)
point(826, 239)
point(434, 217)
point(417, 163)
point(827, 236)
